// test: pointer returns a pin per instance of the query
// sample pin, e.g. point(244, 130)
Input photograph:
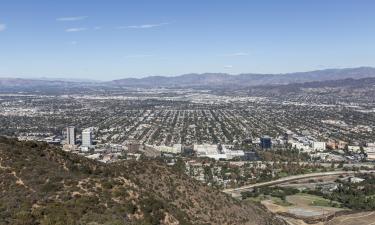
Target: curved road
point(292, 178)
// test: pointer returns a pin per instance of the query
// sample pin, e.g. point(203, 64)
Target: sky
point(112, 39)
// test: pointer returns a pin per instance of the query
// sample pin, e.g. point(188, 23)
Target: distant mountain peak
point(211, 80)
point(204, 80)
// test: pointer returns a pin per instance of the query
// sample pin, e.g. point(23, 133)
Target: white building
point(87, 137)
point(353, 148)
point(212, 151)
point(205, 149)
point(175, 149)
point(231, 153)
point(94, 156)
point(84, 149)
point(71, 135)
point(319, 146)
point(301, 146)
point(355, 180)
point(370, 151)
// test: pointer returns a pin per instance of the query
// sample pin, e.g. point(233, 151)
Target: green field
point(257, 199)
point(276, 200)
point(279, 201)
point(314, 200)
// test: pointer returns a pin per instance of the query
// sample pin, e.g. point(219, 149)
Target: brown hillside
point(44, 185)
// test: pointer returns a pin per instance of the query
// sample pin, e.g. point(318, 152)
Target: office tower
point(265, 142)
point(71, 135)
point(86, 137)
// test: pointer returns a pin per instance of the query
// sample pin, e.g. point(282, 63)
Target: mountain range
point(206, 80)
point(221, 80)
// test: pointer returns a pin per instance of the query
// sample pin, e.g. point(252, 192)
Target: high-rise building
point(71, 135)
point(265, 142)
point(288, 135)
point(87, 137)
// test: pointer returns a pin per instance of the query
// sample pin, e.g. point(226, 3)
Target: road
point(237, 191)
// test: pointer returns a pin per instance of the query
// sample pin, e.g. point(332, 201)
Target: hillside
point(197, 81)
point(44, 185)
point(220, 80)
point(363, 87)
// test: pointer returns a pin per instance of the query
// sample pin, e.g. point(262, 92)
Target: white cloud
point(76, 29)
point(228, 67)
point(75, 18)
point(2, 27)
point(236, 54)
point(97, 28)
point(143, 26)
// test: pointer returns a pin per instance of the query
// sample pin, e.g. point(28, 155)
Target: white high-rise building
point(71, 135)
point(87, 137)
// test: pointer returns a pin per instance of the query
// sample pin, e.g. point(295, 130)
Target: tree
point(179, 166)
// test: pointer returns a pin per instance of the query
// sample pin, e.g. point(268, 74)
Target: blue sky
point(103, 40)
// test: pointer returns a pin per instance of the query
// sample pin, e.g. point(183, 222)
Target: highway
point(238, 190)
